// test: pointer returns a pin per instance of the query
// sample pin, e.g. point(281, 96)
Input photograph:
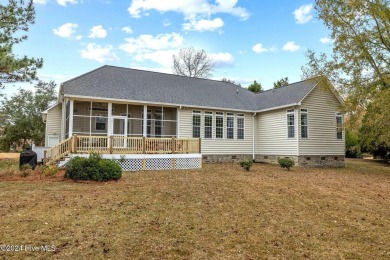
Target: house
point(136, 114)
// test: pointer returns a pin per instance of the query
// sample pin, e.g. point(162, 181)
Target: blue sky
point(249, 40)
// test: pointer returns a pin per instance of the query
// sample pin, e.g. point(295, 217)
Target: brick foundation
point(223, 158)
point(302, 160)
point(321, 161)
point(306, 160)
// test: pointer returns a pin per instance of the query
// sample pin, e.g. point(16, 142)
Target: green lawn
point(216, 212)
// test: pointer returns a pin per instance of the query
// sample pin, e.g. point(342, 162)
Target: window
point(339, 126)
point(304, 123)
point(208, 124)
point(196, 124)
point(290, 123)
point(230, 126)
point(100, 123)
point(240, 126)
point(158, 123)
point(219, 125)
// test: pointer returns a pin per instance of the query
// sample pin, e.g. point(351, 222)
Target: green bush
point(93, 168)
point(246, 164)
point(286, 163)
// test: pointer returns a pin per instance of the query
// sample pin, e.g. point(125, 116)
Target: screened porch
point(90, 118)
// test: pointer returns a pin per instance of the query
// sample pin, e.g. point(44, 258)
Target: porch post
point(145, 120)
point(178, 122)
point(109, 127)
point(71, 105)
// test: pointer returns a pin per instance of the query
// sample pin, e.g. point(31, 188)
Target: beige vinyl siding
point(218, 146)
point(272, 134)
point(53, 123)
point(322, 107)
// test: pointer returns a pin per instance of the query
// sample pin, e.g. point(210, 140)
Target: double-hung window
point(339, 126)
point(240, 126)
point(208, 124)
point(196, 115)
point(230, 126)
point(304, 124)
point(290, 123)
point(219, 125)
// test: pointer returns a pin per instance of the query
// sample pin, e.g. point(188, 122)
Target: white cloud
point(162, 57)
point(189, 8)
point(148, 43)
point(40, 2)
point(222, 59)
point(97, 32)
point(326, 40)
point(127, 29)
point(258, 48)
point(78, 37)
point(65, 2)
point(303, 14)
point(99, 53)
point(65, 30)
point(291, 46)
point(203, 25)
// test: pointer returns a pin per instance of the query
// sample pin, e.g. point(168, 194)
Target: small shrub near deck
point(286, 163)
point(93, 168)
point(246, 164)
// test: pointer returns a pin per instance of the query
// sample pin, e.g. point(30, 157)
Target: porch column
point(109, 120)
point(71, 105)
point(178, 122)
point(109, 126)
point(145, 121)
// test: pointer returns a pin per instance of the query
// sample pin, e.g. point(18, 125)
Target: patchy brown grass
point(220, 211)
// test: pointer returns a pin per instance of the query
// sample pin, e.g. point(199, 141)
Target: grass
point(220, 211)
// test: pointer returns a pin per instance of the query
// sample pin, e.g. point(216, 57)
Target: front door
point(119, 128)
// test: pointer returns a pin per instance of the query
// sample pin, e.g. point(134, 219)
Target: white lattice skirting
point(139, 162)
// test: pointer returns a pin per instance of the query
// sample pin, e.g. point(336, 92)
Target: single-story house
point(130, 112)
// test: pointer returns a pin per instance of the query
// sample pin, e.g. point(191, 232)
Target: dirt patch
point(9, 155)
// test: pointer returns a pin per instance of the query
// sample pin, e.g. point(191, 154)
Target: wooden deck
point(121, 145)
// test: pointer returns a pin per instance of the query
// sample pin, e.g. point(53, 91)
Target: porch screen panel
point(135, 120)
point(99, 118)
point(81, 117)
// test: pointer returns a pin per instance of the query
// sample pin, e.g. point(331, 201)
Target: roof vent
point(237, 90)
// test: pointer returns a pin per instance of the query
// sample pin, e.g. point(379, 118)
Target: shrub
point(93, 168)
point(25, 170)
point(353, 152)
point(382, 151)
point(286, 163)
point(50, 170)
point(246, 164)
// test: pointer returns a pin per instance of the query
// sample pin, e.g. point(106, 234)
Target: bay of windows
point(290, 123)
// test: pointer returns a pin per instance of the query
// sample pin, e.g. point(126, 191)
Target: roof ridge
point(86, 73)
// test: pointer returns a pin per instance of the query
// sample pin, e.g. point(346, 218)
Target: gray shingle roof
point(146, 86)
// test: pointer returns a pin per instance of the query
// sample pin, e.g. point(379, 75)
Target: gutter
point(253, 136)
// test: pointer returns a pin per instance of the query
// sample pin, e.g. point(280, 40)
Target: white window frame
point(196, 113)
point(290, 112)
point(208, 114)
point(230, 116)
point(241, 116)
point(340, 115)
point(219, 115)
point(305, 112)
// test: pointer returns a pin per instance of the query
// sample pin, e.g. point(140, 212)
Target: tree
point(359, 65)
point(255, 87)
point(281, 82)
point(15, 19)
point(22, 115)
point(193, 63)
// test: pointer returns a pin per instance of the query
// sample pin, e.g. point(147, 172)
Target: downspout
point(253, 136)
